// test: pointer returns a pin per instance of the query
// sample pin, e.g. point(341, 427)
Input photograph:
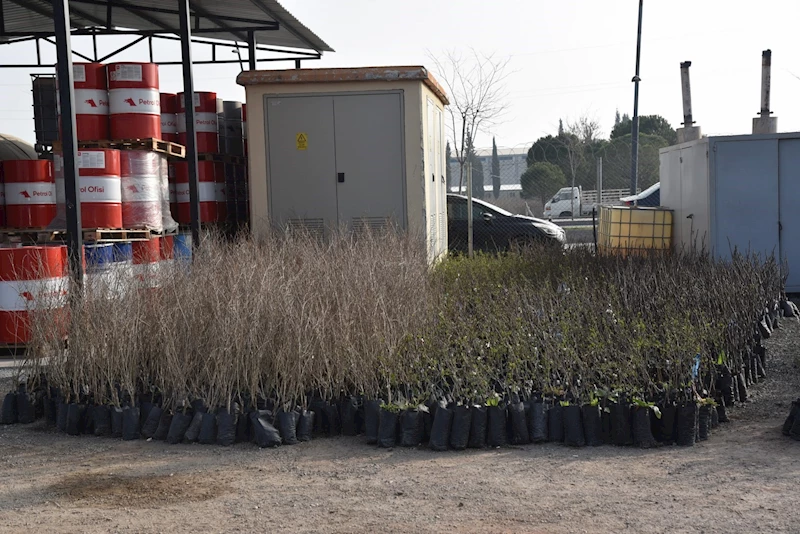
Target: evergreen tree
point(617, 118)
point(560, 127)
point(495, 170)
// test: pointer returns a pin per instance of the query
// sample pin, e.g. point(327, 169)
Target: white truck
point(575, 199)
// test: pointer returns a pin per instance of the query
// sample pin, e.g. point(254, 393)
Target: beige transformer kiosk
point(347, 148)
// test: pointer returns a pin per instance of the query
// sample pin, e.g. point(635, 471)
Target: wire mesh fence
point(560, 178)
point(523, 179)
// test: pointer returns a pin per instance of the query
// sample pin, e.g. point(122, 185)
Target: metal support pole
point(251, 50)
point(188, 104)
point(635, 122)
point(599, 181)
point(69, 147)
point(469, 207)
point(297, 64)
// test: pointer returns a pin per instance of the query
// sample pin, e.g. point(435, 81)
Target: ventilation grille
point(370, 224)
point(311, 227)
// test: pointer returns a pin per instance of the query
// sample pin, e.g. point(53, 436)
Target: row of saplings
point(442, 424)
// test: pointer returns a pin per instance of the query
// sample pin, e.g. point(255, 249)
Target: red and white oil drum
point(2, 200)
point(100, 188)
point(205, 119)
point(167, 253)
point(31, 279)
point(91, 101)
point(219, 192)
point(206, 188)
point(169, 117)
point(141, 189)
point(146, 256)
point(31, 188)
point(134, 101)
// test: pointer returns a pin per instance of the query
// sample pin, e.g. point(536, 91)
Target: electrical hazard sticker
point(302, 141)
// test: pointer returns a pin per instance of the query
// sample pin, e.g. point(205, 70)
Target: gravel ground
point(743, 480)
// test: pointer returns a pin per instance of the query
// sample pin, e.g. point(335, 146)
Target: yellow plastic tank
point(627, 230)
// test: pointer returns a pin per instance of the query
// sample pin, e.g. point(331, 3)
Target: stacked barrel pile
point(220, 132)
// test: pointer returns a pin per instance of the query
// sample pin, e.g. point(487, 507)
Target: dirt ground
point(744, 479)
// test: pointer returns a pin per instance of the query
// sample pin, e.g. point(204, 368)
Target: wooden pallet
point(151, 144)
point(93, 235)
point(223, 158)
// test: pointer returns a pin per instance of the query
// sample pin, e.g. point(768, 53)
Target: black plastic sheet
point(372, 409)
point(26, 408)
point(130, 423)
point(410, 428)
point(9, 414)
point(178, 427)
point(621, 431)
point(75, 414)
point(387, 429)
point(592, 425)
point(496, 435)
point(573, 426)
point(664, 427)
point(793, 414)
point(102, 420)
point(349, 415)
point(704, 422)
point(537, 422)
point(460, 429)
point(642, 431)
point(193, 430)
point(287, 427)
point(264, 433)
point(226, 425)
point(305, 425)
point(519, 427)
point(477, 428)
point(686, 424)
point(116, 422)
point(555, 423)
point(163, 426)
point(440, 432)
point(208, 429)
point(151, 422)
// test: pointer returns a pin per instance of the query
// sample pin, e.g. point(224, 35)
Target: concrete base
point(689, 133)
point(765, 125)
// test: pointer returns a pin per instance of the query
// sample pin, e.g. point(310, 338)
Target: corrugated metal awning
point(229, 20)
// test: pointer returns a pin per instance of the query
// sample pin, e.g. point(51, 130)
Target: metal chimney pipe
point(766, 73)
point(686, 90)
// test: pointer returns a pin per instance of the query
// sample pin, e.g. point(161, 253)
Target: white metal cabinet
point(736, 192)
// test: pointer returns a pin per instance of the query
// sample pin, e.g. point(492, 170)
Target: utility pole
point(635, 122)
point(469, 204)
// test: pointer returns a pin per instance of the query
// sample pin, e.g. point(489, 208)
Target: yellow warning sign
point(302, 141)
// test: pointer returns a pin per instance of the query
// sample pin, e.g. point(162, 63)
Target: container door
point(790, 212)
point(746, 200)
point(370, 160)
point(302, 162)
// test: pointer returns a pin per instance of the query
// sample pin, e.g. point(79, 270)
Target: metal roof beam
point(259, 4)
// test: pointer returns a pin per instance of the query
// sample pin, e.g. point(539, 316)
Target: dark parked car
point(494, 229)
point(650, 197)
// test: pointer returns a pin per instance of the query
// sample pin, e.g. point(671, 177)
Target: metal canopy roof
point(229, 20)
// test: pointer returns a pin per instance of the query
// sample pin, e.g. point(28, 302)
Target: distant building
point(512, 165)
point(506, 191)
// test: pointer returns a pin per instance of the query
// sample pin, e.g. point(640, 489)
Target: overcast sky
point(569, 57)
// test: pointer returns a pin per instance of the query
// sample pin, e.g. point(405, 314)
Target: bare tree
point(578, 135)
point(475, 85)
